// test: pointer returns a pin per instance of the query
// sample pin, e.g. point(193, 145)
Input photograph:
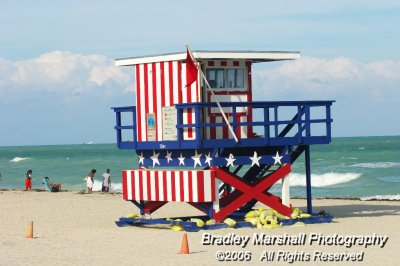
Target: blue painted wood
point(302, 135)
point(308, 178)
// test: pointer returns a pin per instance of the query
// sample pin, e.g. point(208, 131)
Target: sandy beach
point(78, 229)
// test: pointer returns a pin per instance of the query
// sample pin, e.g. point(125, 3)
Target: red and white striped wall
point(165, 185)
point(158, 85)
point(243, 114)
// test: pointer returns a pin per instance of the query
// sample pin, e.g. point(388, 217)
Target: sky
point(58, 81)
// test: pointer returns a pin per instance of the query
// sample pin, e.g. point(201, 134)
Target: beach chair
point(50, 186)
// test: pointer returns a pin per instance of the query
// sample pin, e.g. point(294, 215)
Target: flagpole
point(212, 92)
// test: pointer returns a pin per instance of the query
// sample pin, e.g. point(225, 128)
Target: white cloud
point(65, 73)
point(338, 78)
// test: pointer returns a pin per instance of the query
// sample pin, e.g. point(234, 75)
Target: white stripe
point(169, 185)
point(161, 186)
point(243, 129)
point(185, 185)
point(175, 81)
point(194, 186)
point(150, 87)
point(144, 180)
point(129, 184)
point(158, 90)
point(142, 101)
point(184, 100)
point(137, 186)
point(177, 186)
point(218, 130)
point(166, 84)
point(152, 185)
point(207, 186)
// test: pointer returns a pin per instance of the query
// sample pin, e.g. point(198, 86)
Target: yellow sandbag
point(177, 227)
point(279, 215)
point(259, 225)
point(253, 221)
point(178, 220)
point(260, 209)
point(304, 215)
point(230, 222)
point(198, 222)
point(132, 215)
point(266, 213)
point(211, 221)
point(169, 219)
point(296, 213)
point(252, 214)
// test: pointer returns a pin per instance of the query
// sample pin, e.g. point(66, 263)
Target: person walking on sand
point(28, 180)
point(90, 180)
point(106, 181)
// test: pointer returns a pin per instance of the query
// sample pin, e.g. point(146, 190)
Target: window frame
point(226, 88)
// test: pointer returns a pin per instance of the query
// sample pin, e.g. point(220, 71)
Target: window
point(226, 78)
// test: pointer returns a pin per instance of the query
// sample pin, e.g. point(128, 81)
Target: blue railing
point(296, 130)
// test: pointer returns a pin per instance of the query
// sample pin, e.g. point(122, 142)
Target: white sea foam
point(115, 187)
point(377, 165)
point(323, 180)
point(382, 197)
point(18, 159)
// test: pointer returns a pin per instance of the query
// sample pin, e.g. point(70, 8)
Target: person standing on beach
point(28, 180)
point(90, 180)
point(106, 181)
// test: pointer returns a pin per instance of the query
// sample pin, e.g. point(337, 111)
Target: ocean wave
point(382, 197)
point(115, 187)
point(377, 165)
point(323, 180)
point(18, 159)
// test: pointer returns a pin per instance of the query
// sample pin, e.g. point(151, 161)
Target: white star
point(230, 160)
point(181, 160)
point(208, 159)
point(255, 159)
point(141, 158)
point(196, 159)
point(155, 158)
point(168, 156)
point(277, 158)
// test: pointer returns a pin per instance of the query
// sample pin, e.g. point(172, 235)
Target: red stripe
point(171, 83)
point(225, 130)
point(124, 184)
point(223, 63)
point(179, 83)
point(156, 185)
point(210, 63)
point(173, 185)
point(182, 192)
point(200, 186)
point(191, 176)
point(213, 130)
point(154, 80)
point(148, 186)
point(141, 176)
point(138, 111)
point(213, 188)
point(165, 186)
point(239, 131)
point(146, 97)
point(162, 84)
point(235, 63)
point(189, 111)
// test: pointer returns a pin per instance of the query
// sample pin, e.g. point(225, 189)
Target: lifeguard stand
point(188, 153)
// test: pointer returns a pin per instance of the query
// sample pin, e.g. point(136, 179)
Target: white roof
point(254, 56)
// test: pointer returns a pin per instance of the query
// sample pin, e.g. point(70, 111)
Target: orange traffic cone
point(30, 230)
point(185, 245)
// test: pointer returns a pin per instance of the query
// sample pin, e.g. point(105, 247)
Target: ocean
point(356, 167)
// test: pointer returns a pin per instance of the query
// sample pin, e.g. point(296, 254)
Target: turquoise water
point(366, 167)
